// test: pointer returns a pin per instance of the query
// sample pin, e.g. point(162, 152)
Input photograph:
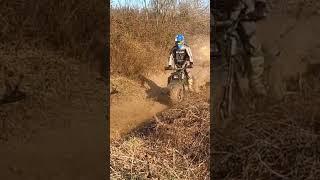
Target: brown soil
point(56, 132)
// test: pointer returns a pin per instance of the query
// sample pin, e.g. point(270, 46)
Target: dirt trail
point(136, 102)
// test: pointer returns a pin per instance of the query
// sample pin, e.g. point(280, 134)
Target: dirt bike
point(178, 82)
point(229, 67)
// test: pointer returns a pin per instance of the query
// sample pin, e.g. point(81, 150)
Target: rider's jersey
point(179, 56)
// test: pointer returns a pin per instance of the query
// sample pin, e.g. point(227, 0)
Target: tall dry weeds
point(77, 27)
point(141, 39)
point(280, 141)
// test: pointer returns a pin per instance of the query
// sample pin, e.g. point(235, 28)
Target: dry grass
point(77, 27)
point(141, 40)
point(279, 142)
point(138, 40)
point(174, 146)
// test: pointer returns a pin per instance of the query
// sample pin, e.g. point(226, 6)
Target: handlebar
point(168, 68)
point(178, 68)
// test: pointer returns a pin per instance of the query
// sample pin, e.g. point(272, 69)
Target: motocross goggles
point(179, 42)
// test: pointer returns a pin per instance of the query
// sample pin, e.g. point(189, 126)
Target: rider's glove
point(168, 67)
point(190, 65)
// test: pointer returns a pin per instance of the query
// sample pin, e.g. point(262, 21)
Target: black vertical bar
point(106, 76)
point(212, 33)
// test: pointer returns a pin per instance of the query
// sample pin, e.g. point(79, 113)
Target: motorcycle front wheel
point(176, 94)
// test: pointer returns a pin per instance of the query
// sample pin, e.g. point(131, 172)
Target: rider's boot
point(190, 82)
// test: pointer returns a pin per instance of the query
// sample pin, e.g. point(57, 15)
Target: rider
point(253, 10)
point(179, 54)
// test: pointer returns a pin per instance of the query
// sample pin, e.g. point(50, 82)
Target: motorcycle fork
point(183, 81)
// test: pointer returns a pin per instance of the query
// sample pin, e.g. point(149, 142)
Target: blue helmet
point(179, 37)
point(179, 40)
